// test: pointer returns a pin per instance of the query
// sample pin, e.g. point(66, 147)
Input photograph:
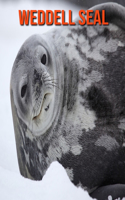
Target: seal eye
point(23, 91)
point(43, 59)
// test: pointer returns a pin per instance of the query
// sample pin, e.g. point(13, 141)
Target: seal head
point(33, 83)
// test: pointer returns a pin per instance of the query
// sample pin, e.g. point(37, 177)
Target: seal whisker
point(50, 83)
point(54, 86)
point(46, 77)
point(54, 79)
point(50, 80)
point(54, 82)
point(47, 81)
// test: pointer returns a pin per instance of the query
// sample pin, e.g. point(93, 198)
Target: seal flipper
point(115, 13)
point(115, 191)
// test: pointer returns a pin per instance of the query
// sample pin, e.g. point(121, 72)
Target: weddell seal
point(68, 104)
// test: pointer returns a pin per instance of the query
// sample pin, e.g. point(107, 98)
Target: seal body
point(68, 97)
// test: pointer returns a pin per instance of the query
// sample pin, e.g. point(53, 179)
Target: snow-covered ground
point(55, 184)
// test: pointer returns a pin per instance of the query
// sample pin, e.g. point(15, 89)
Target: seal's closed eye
point(23, 90)
point(43, 59)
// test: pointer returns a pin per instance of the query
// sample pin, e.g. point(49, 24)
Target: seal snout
point(36, 114)
point(43, 88)
point(34, 83)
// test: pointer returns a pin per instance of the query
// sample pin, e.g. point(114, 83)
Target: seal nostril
point(23, 91)
point(43, 59)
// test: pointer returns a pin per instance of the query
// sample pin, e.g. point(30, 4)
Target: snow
point(55, 183)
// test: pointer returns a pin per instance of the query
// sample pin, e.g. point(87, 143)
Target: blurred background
point(89, 3)
point(55, 184)
point(84, 3)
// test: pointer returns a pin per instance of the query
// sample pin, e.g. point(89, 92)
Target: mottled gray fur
point(87, 133)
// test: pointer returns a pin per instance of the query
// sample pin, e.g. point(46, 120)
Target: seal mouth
point(41, 107)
